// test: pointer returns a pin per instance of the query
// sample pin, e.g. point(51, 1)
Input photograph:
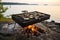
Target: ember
point(31, 27)
point(32, 30)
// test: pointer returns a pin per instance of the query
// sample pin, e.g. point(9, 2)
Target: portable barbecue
point(29, 18)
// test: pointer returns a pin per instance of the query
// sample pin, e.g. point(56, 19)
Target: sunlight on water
point(54, 11)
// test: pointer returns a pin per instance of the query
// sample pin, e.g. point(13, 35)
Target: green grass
point(3, 19)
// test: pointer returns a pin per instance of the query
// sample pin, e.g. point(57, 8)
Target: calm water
point(54, 11)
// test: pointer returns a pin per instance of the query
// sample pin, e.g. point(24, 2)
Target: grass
point(3, 19)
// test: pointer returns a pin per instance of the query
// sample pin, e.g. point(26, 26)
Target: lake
point(54, 11)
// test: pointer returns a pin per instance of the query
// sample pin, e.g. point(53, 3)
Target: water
point(54, 11)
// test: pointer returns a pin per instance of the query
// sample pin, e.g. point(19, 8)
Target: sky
point(33, 1)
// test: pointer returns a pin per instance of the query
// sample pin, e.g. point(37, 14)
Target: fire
point(31, 28)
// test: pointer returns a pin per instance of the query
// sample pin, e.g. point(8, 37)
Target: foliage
point(3, 10)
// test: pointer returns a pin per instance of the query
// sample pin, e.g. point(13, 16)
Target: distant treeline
point(13, 3)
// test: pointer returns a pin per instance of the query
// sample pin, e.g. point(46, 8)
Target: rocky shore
point(52, 32)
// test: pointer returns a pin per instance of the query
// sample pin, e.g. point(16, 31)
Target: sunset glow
point(34, 1)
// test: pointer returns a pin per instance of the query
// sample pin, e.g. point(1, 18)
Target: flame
point(32, 28)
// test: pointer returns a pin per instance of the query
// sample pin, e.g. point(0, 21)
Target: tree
point(2, 9)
